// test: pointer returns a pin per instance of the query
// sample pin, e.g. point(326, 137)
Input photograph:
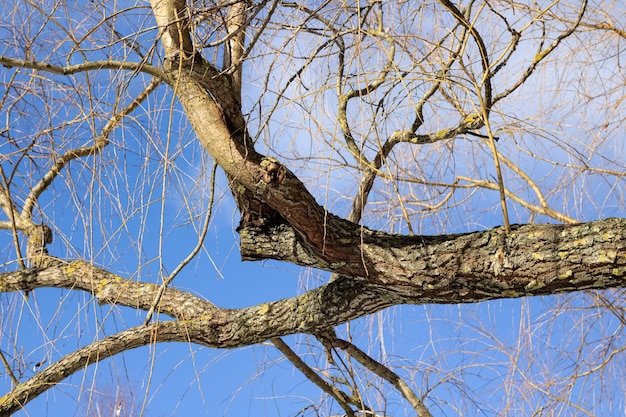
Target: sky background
point(137, 207)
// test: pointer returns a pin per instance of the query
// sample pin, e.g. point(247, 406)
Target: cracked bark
point(472, 267)
point(532, 260)
point(281, 220)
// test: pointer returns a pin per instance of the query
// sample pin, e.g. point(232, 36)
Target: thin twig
point(192, 254)
point(490, 185)
point(491, 141)
point(542, 54)
point(486, 66)
point(385, 373)
point(342, 398)
point(99, 143)
point(8, 369)
point(261, 29)
point(83, 67)
point(7, 204)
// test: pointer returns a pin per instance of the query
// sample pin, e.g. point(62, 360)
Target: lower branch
point(385, 373)
point(108, 288)
point(102, 349)
point(531, 260)
point(341, 397)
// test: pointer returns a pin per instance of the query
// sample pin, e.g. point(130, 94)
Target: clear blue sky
point(457, 353)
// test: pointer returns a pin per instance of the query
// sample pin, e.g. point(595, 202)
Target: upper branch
point(99, 143)
point(84, 67)
point(484, 56)
point(543, 53)
point(173, 21)
point(532, 260)
point(236, 22)
point(344, 99)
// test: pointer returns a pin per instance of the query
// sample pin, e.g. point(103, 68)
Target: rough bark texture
point(281, 220)
point(216, 117)
point(444, 269)
point(532, 260)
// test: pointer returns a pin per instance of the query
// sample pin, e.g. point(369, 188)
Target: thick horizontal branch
point(108, 288)
point(472, 267)
point(321, 308)
point(532, 260)
point(218, 328)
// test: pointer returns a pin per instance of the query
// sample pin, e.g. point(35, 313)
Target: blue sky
point(136, 209)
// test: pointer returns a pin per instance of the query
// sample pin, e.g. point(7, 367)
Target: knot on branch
point(273, 171)
point(39, 236)
point(473, 121)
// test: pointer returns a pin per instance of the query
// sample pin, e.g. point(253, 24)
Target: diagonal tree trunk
point(455, 268)
point(280, 219)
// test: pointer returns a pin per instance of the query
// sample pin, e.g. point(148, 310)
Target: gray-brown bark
point(444, 269)
point(532, 260)
point(472, 267)
point(282, 220)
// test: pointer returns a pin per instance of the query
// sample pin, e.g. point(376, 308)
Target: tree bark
point(282, 220)
point(532, 260)
point(472, 267)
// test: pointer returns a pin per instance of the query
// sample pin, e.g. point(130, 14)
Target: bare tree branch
point(342, 399)
point(84, 67)
point(99, 143)
point(384, 372)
